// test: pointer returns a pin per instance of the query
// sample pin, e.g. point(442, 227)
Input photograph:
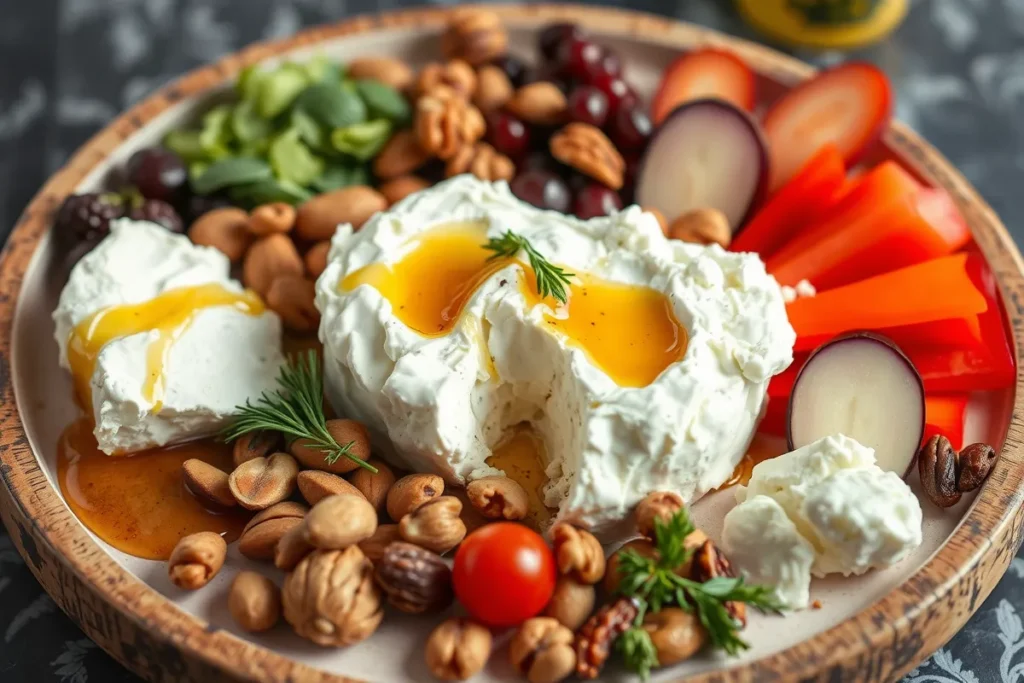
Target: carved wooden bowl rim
point(149, 634)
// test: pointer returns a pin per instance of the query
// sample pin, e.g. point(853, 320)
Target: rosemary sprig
point(655, 585)
point(296, 410)
point(551, 280)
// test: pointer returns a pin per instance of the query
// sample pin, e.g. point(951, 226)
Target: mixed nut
point(946, 474)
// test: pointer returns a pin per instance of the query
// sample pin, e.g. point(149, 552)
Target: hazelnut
point(498, 497)
point(457, 649)
point(331, 599)
point(261, 482)
point(271, 218)
point(702, 226)
point(435, 525)
point(677, 635)
point(196, 559)
point(415, 579)
point(267, 259)
point(315, 485)
point(292, 298)
point(411, 491)
point(339, 521)
point(258, 444)
point(319, 217)
point(291, 548)
point(207, 482)
point(571, 603)
point(254, 601)
point(316, 258)
point(374, 546)
point(493, 88)
point(542, 650)
point(660, 505)
point(225, 229)
point(374, 487)
point(344, 432)
point(577, 553)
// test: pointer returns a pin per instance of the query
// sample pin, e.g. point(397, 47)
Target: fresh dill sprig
point(551, 280)
point(653, 583)
point(295, 409)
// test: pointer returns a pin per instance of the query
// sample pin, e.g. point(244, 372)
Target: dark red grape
point(587, 104)
point(508, 134)
point(553, 36)
point(610, 65)
point(543, 189)
point(630, 129)
point(86, 217)
point(618, 92)
point(158, 173)
point(513, 67)
point(596, 200)
point(159, 212)
point(579, 58)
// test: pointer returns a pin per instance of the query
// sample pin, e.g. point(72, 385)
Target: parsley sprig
point(551, 280)
point(653, 583)
point(295, 409)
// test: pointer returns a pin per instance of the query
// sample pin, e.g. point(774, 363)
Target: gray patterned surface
point(67, 67)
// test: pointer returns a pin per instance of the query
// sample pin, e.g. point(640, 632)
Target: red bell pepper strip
point(949, 333)
point(775, 417)
point(781, 385)
point(804, 200)
point(944, 415)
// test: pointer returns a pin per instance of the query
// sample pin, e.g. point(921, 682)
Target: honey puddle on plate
point(139, 504)
point(521, 457)
point(169, 314)
point(628, 331)
point(761, 448)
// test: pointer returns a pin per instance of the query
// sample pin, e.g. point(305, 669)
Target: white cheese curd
point(854, 515)
point(441, 404)
point(223, 358)
point(759, 538)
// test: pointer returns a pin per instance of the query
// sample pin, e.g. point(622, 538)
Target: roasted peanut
point(400, 187)
point(267, 259)
point(498, 497)
point(411, 491)
point(261, 482)
point(254, 445)
point(196, 559)
point(542, 650)
point(345, 432)
point(702, 226)
point(374, 546)
point(339, 521)
point(435, 525)
point(254, 601)
point(316, 258)
point(661, 506)
point(292, 298)
point(458, 649)
point(207, 482)
point(226, 230)
point(268, 219)
point(320, 216)
point(578, 553)
point(315, 485)
point(374, 487)
point(571, 603)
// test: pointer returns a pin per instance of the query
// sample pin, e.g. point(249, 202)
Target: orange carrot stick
point(944, 414)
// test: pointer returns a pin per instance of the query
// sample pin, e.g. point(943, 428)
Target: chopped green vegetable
point(231, 172)
point(310, 132)
point(279, 88)
point(247, 125)
point(186, 144)
point(216, 135)
point(384, 102)
point(339, 175)
point(362, 140)
point(292, 160)
point(331, 105)
point(267, 191)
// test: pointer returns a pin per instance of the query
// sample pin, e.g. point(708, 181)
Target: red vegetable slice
point(944, 414)
point(949, 333)
point(774, 421)
point(801, 201)
point(849, 105)
point(701, 74)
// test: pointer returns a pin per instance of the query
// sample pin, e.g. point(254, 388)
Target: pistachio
point(207, 482)
point(374, 546)
point(344, 432)
point(267, 259)
point(415, 580)
point(259, 483)
point(226, 230)
point(676, 635)
point(292, 548)
point(259, 541)
point(660, 505)
point(196, 559)
point(254, 601)
point(271, 218)
point(458, 649)
point(411, 491)
point(578, 553)
point(320, 216)
point(316, 258)
point(315, 485)
point(374, 487)
point(571, 603)
point(542, 650)
point(498, 497)
point(339, 521)
point(258, 444)
point(292, 298)
point(435, 525)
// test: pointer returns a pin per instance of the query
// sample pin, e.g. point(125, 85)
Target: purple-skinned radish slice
point(706, 154)
point(860, 384)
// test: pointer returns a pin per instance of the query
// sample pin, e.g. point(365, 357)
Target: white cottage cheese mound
point(222, 359)
point(433, 404)
point(854, 515)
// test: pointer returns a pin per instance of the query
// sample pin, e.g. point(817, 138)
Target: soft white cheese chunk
point(759, 538)
point(854, 515)
point(222, 359)
point(434, 403)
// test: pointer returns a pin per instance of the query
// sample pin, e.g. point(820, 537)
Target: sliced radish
point(863, 386)
point(849, 105)
point(707, 154)
point(701, 74)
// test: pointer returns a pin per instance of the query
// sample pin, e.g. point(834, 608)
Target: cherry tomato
point(504, 574)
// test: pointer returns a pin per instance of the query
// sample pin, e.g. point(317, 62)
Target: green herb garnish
point(551, 280)
point(653, 583)
point(296, 410)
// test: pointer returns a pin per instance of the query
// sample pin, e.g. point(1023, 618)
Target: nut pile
point(946, 474)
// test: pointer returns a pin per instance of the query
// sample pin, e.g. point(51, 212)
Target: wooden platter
point(159, 640)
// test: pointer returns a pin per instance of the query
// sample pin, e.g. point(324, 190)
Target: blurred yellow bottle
point(824, 23)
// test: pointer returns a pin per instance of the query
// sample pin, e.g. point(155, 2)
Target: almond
point(374, 487)
point(271, 218)
point(259, 541)
point(207, 482)
point(316, 257)
point(412, 491)
point(397, 189)
point(319, 217)
point(292, 297)
point(269, 258)
point(390, 71)
point(344, 432)
point(279, 511)
point(262, 482)
point(258, 444)
point(541, 103)
point(226, 230)
point(493, 88)
point(315, 485)
point(292, 548)
point(401, 155)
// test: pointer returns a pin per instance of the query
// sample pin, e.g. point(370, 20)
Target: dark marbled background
point(68, 66)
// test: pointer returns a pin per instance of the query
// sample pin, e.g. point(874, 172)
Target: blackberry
point(86, 217)
point(159, 212)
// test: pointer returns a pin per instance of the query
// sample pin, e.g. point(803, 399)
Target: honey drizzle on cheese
point(169, 314)
point(628, 331)
point(521, 457)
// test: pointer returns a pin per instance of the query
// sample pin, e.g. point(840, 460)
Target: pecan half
point(498, 497)
point(973, 465)
point(542, 650)
point(595, 638)
point(578, 553)
point(937, 464)
point(475, 35)
point(456, 78)
point(709, 562)
point(444, 126)
point(589, 151)
point(483, 161)
point(415, 580)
